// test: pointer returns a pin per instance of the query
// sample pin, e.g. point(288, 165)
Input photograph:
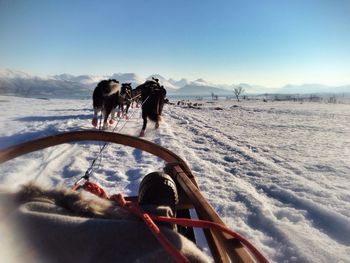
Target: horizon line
point(48, 76)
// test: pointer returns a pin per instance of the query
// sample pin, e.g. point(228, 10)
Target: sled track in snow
point(264, 178)
point(232, 188)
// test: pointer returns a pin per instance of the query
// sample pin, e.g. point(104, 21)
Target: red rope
point(212, 225)
point(149, 220)
point(95, 189)
point(135, 209)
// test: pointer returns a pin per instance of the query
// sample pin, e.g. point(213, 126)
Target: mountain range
point(13, 82)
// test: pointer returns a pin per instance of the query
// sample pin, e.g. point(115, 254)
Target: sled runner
point(224, 244)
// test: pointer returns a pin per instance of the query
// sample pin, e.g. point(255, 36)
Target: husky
point(125, 100)
point(105, 99)
point(152, 96)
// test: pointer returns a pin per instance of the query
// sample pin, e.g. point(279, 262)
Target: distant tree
point(238, 91)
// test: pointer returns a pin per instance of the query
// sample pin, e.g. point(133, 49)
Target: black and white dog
point(105, 99)
point(152, 96)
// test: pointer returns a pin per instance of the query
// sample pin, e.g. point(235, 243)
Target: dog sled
point(224, 244)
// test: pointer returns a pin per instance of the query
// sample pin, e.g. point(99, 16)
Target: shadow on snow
point(54, 118)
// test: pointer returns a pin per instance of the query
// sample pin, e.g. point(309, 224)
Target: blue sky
point(268, 43)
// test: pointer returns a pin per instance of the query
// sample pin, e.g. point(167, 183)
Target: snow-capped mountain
point(255, 89)
point(67, 85)
point(22, 84)
point(201, 90)
point(179, 83)
point(202, 82)
point(132, 78)
point(8, 73)
point(84, 79)
point(165, 82)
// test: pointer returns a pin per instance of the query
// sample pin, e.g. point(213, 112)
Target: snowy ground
point(277, 172)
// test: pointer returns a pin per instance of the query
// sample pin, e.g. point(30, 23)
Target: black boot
point(158, 190)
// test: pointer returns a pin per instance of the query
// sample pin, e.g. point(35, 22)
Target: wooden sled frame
point(223, 247)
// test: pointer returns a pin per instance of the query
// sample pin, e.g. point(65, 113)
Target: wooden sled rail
point(223, 248)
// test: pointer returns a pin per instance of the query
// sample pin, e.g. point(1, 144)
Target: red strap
point(148, 219)
point(212, 225)
point(95, 189)
point(135, 209)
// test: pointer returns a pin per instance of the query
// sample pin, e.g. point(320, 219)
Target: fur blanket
point(40, 225)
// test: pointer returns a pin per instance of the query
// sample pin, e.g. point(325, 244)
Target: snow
point(276, 172)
